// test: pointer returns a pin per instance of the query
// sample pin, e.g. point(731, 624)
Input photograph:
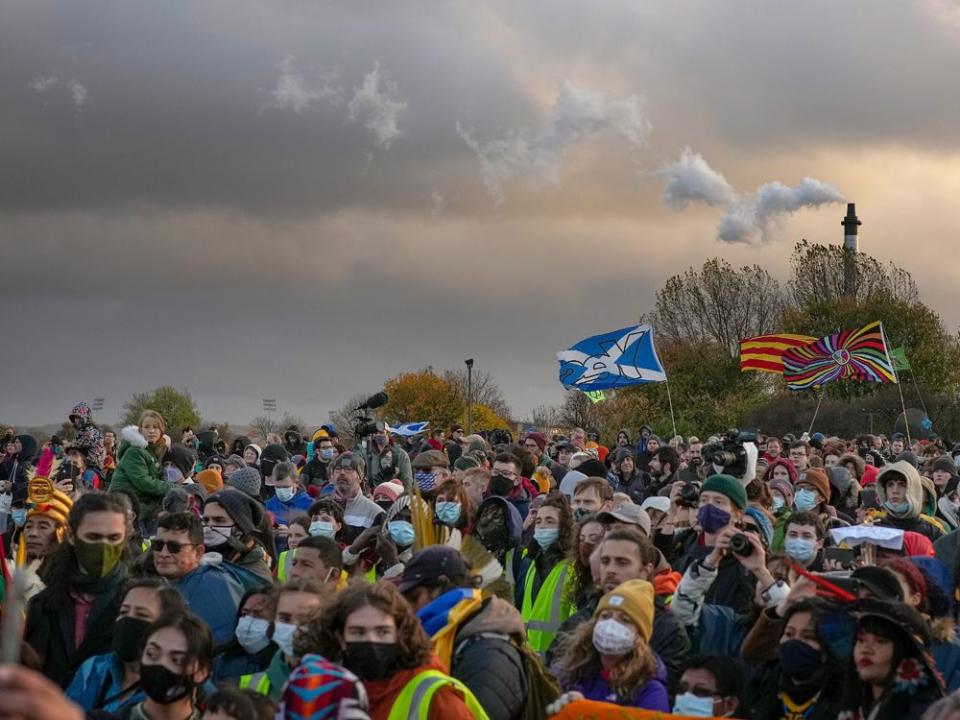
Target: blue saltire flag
point(410, 429)
point(613, 360)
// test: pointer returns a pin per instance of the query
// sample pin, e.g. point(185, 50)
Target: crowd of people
point(453, 575)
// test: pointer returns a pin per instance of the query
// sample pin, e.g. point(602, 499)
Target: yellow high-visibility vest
point(284, 563)
point(544, 614)
point(413, 702)
point(258, 682)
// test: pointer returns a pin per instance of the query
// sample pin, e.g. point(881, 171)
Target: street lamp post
point(469, 364)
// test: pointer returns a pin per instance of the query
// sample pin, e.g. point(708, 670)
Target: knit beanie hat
point(235, 461)
point(729, 486)
point(818, 478)
point(763, 523)
point(784, 488)
point(246, 513)
point(840, 478)
point(210, 480)
point(592, 468)
point(392, 489)
point(909, 457)
point(945, 463)
point(317, 688)
point(634, 599)
point(181, 457)
point(539, 439)
point(247, 480)
point(465, 462)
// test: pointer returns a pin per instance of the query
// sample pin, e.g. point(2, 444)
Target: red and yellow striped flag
point(764, 352)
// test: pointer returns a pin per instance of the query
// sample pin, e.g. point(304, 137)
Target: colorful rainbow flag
point(849, 355)
point(763, 352)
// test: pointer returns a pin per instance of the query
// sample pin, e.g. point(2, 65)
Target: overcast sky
point(299, 199)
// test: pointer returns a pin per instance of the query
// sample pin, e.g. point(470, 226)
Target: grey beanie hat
point(247, 480)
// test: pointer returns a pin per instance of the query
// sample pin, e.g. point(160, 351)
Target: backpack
point(542, 687)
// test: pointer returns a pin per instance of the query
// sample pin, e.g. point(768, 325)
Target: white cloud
point(376, 104)
point(576, 115)
point(293, 92)
point(43, 83)
point(691, 179)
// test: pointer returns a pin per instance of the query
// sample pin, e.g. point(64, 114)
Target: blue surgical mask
point(326, 453)
point(545, 537)
point(778, 503)
point(285, 494)
point(401, 532)
point(805, 500)
point(19, 516)
point(322, 528)
point(447, 512)
point(800, 549)
point(283, 636)
point(899, 508)
point(172, 474)
point(689, 704)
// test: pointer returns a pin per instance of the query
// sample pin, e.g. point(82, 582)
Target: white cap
point(657, 502)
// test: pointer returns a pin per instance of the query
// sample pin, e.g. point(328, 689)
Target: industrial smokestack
point(850, 224)
point(851, 246)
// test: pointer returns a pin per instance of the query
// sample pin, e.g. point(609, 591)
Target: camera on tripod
point(363, 424)
point(729, 452)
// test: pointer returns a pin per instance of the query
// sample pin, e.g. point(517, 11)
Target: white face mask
point(689, 704)
point(322, 528)
point(285, 494)
point(216, 535)
point(251, 633)
point(283, 636)
point(612, 637)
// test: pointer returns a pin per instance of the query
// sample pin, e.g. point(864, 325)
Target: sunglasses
point(175, 546)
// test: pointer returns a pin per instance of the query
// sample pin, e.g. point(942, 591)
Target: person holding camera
point(386, 460)
point(720, 515)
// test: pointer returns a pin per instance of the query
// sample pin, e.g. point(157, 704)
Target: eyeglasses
point(504, 473)
point(175, 546)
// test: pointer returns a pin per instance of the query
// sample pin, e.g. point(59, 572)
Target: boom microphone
point(373, 402)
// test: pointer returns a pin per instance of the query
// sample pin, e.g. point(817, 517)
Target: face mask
point(897, 508)
point(612, 637)
point(778, 503)
point(370, 661)
point(500, 485)
point(803, 551)
point(172, 475)
point(19, 517)
point(98, 559)
point(692, 705)
point(251, 633)
point(283, 636)
point(379, 442)
point(448, 512)
point(322, 528)
point(326, 453)
point(385, 504)
point(798, 661)
point(216, 535)
point(128, 636)
point(401, 532)
point(712, 519)
point(579, 514)
point(285, 494)
point(805, 500)
point(164, 686)
point(545, 537)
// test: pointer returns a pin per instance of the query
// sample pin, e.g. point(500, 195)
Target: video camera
point(729, 452)
point(364, 425)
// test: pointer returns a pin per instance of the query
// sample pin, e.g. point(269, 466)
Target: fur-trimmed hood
point(131, 435)
point(914, 487)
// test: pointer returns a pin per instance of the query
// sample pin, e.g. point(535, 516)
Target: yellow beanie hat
point(634, 599)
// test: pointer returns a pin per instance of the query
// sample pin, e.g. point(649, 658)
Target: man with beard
point(664, 468)
point(385, 460)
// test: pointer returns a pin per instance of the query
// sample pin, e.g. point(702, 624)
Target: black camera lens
point(741, 545)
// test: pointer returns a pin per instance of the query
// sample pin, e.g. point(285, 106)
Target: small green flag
point(596, 396)
point(899, 357)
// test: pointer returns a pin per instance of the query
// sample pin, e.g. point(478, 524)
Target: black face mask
point(500, 485)
point(799, 661)
point(164, 686)
point(370, 661)
point(385, 504)
point(128, 636)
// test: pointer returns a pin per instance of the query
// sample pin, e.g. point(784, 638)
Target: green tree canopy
point(175, 406)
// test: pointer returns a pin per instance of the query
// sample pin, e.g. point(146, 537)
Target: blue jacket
point(100, 678)
point(282, 511)
point(214, 595)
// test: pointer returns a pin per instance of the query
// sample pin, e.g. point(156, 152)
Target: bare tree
point(485, 390)
point(718, 304)
point(818, 275)
point(578, 410)
point(263, 425)
point(545, 417)
point(343, 418)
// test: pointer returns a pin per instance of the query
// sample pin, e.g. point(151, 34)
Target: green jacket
point(138, 471)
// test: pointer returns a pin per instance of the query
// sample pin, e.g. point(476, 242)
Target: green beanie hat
point(729, 486)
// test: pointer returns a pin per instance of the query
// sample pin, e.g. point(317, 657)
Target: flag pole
point(896, 379)
point(816, 412)
point(670, 402)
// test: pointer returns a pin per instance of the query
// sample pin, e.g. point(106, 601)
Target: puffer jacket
point(139, 472)
point(488, 662)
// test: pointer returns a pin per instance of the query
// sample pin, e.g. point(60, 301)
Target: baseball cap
point(426, 566)
point(627, 513)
